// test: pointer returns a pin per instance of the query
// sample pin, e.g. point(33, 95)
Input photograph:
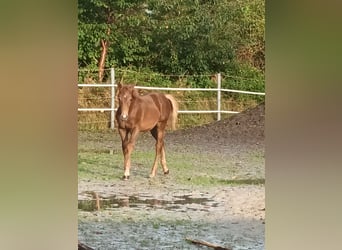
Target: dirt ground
point(159, 213)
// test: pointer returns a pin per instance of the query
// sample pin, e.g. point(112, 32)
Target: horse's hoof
point(125, 178)
point(167, 172)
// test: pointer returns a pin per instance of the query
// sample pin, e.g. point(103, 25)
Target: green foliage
point(173, 37)
point(144, 77)
point(89, 37)
point(120, 23)
point(187, 39)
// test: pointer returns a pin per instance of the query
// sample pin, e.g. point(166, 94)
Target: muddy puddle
point(139, 202)
point(121, 217)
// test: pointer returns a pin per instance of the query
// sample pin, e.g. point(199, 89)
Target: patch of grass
point(100, 158)
point(257, 156)
point(243, 182)
point(213, 181)
point(98, 166)
point(185, 168)
point(156, 225)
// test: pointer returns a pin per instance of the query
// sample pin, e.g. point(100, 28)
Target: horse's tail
point(173, 115)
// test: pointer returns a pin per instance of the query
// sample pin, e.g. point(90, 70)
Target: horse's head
point(126, 95)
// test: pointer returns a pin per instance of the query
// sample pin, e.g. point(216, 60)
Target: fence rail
point(218, 111)
point(201, 89)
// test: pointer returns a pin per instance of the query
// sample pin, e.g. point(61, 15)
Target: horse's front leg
point(127, 148)
point(124, 142)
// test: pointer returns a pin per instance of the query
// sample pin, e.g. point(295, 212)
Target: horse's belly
point(147, 126)
point(150, 120)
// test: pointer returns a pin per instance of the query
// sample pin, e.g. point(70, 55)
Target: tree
point(173, 36)
point(196, 37)
point(102, 26)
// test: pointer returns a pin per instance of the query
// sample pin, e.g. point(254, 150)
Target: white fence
point(112, 85)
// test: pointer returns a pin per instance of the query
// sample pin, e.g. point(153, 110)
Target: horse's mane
point(135, 92)
point(131, 88)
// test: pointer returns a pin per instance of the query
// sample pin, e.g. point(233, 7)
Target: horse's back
point(163, 105)
point(148, 110)
point(145, 112)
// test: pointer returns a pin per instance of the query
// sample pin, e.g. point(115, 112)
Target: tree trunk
point(104, 46)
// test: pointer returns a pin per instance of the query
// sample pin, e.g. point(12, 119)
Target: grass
point(213, 181)
point(186, 168)
point(100, 158)
point(98, 166)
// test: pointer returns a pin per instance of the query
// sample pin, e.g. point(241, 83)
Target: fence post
point(218, 96)
point(112, 80)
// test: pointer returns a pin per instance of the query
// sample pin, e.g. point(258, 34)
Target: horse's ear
point(135, 92)
point(120, 84)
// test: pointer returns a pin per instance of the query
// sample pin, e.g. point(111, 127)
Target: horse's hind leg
point(163, 161)
point(158, 133)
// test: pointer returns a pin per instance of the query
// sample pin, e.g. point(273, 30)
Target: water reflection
point(178, 202)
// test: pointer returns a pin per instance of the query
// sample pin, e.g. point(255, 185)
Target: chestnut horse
point(151, 112)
